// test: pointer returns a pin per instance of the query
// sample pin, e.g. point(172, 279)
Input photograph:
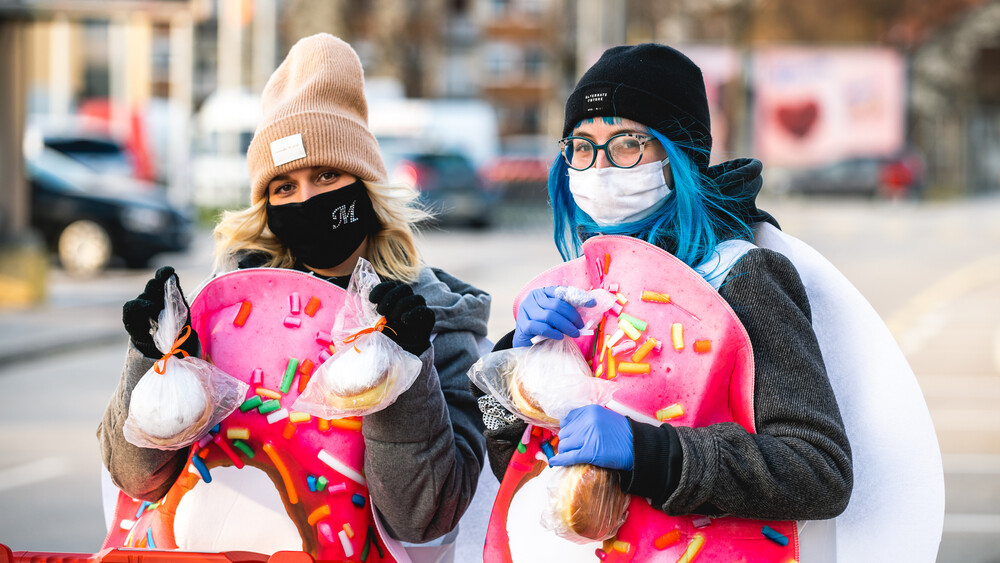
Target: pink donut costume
point(684, 358)
point(271, 328)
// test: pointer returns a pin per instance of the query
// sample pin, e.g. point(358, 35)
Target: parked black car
point(447, 181)
point(88, 218)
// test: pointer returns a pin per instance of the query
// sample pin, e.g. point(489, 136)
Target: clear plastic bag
point(541, 383)
point(369, 371)
point(590, 304)
point(179, 399)
point(585, 503)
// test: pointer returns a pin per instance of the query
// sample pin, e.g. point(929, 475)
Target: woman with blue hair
point(635, 161)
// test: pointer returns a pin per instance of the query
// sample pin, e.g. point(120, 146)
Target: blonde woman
point(319, 203)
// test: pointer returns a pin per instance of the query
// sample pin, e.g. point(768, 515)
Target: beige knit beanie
point(314, 114)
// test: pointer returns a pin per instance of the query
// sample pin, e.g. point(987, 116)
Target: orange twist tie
point(379, 326)
point(176, 349)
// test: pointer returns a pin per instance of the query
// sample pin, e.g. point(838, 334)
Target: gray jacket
point(423, 454)
point(798, 464)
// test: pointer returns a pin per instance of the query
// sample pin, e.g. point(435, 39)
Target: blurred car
point(88, 218)
point(870, 176)
point(84, 140)
point(447, 181)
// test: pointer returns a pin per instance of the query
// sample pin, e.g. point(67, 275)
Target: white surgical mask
point(619, 195)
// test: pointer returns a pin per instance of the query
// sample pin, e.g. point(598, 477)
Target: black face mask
point(326, 229)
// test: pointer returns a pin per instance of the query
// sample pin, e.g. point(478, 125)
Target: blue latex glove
point(594, 435)
point(541, 313)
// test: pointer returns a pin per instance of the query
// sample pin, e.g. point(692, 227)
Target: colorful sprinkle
point(322, 424)
point(204, 440)
point(547, 448)
point(348, 423)
point(338, 488)
point(643, 350)
point(601, 554)
point(348, 529)
point(243, 447)
point(290, 369)
point(326, 533)
point(267, 406)
point(321, 483)
point(224, 446)
point(251, 403)
point(257, 377)
point(277, 416)
point(243, 314)
point(702, 346)
point(621, 298)
point(655, 297)
point(613, 287)
point(521, 448)
point(621, 546)
point(638, 323)
point(692, 549)
point(142, 508)
point(677, 335)
point(324, 338)
point(526, 437)
point(297, 417)
point(294, 303)
point(700, 521)
point(612, 368)
point(618, 335)
point(149, 539)
point(307, 366)
point(541, 457)
point(358, 500)
point(668, 539)
point(342, 468)
point(374, 539)
point(774, 535)
point(623, 348)
point(292, 322)
point(312, 306)
point(265, 392)
point(199, 465)
point(303, 381)
point(289, 431)
point(670, 412)
point(324, 355)
point(319, 514)
point(286, 478)
point(346, 542)
point(126, 524)
point(633, 367)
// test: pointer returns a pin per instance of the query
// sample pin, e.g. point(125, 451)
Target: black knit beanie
point(652, 84)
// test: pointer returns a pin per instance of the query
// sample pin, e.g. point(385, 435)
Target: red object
point(123, 555)
point(136, 143)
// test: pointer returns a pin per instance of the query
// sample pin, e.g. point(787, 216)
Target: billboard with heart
point(814, 106)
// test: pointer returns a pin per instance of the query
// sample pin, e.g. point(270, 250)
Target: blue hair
point(694, 218)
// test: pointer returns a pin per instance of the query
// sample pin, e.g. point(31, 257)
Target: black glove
point(408, 319)
point(139, 314)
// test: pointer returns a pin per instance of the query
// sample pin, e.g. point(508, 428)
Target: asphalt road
point(931, 270)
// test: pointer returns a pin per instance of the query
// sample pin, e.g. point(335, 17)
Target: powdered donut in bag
point(178, 399)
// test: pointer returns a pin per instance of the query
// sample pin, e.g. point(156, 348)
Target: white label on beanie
point(287, 149)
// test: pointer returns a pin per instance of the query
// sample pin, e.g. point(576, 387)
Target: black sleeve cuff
point(505, 343)
point(656, 463)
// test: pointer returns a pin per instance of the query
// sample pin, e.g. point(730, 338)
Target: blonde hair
point(392, 249)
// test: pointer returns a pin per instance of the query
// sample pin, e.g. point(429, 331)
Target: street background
point(124, 127)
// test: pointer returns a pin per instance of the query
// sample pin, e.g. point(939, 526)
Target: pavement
point(86, 312)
